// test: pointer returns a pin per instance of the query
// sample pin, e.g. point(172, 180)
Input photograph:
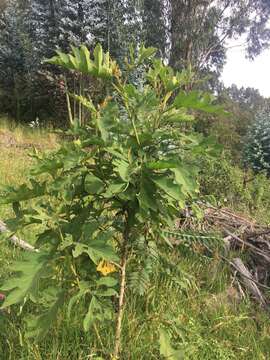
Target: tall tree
point(200, 30)
point(154, 18)
point(82, 22)
point(15, 55)
point(45, 26)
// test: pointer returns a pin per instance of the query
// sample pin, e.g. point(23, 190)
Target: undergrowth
point(233, 187)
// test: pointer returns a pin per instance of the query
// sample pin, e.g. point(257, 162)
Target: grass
point(196, 305)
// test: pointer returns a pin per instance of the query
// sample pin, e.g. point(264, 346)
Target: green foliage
point(122, 177)
point(218, 177)
point(101, 66)
point(26, 281)
point(235, 187)
point(257, 149)
point(166, 349)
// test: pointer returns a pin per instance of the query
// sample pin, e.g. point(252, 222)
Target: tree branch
point(15, 240)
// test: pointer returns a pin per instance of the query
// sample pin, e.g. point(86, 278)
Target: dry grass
point(25, 137)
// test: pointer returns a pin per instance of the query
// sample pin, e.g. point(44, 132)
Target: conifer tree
point(77, 21)
point(16, 58)
point(257, 149)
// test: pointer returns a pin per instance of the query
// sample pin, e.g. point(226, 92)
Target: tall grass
point(21, 135)
point(195, 305)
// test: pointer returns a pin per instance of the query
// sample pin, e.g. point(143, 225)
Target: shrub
point(234, 186)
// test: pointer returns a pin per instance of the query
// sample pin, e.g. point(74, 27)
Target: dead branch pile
point(251, 240)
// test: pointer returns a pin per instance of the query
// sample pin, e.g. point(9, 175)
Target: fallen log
point(247, 279)
point(15, 240)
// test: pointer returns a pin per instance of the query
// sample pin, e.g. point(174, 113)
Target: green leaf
point(84, 288)
point(97, 251)
point(117, 153)
point(93, 185)
point(98, 58)
point(198, 212)
point(122, 167)
point(186, 175)
point(88, 229)
point(146, 53)
point(38, 326)
point(167, 185)
point(177, 116)
point(94, 313)
point(25, 281)
point(86, 63)
point(97, 311)
point(147, 196)
point(197, 100)
point(107, 119)
point(107, 281)
point(114, 188)
point(47, 165)
point(79, 60)
point(166, 349)
point(79, 250)
point(23, 192)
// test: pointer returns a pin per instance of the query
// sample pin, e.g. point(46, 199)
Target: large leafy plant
point(105, 197)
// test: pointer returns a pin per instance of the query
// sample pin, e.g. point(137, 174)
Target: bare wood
point(227, 243)
point(254, 248)
point(236, 268)
point(248, 280)
point(15, 240)
point(247, 235)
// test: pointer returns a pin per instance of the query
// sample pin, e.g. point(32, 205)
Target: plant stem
point(135, 130)
point(68, 104)
point(121, 297)
point(98, 336)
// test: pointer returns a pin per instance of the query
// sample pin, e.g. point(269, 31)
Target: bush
point(236, 187)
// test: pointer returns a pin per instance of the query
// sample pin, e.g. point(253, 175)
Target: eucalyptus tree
point(200, 30)
point(197, 31)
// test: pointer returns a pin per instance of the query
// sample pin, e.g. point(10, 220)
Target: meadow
point(195, 301)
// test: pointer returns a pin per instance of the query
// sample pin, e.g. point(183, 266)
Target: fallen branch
point(15, 240)
point(243, 234)
point(247, 279)
point(252, 247)
point(231, 263)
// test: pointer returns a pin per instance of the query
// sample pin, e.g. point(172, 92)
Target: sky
point(247, 73)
